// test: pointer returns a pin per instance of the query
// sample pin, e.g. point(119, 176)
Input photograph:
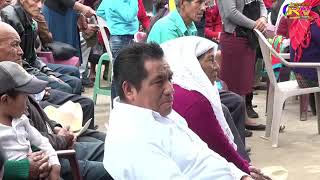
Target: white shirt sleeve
point(43, 143)
point(151, 164)
point(157, 166)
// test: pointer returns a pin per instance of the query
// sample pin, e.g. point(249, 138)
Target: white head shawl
point(181, 54)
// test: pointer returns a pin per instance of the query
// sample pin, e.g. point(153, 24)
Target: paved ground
point(298, 152)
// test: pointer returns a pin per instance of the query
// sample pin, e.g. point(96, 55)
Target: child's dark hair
point(11, 92)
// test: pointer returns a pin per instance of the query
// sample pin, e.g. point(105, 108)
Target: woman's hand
point(256, 173)
point(83, 9)
point(261, 24)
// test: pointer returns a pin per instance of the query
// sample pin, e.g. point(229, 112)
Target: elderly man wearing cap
point(10, 50)
point(16, 133)
point(90, 154)
point(8, 43)
point(19, 16)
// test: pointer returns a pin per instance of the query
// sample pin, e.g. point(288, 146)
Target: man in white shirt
point(146, 139)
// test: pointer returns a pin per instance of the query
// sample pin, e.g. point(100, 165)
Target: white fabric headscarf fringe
point(181, 55)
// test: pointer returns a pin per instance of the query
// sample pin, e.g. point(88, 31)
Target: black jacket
point(44, 125)
point(26, 28)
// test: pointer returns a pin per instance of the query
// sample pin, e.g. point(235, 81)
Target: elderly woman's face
point(209, 66)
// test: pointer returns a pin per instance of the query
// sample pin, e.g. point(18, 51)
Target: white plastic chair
point(103, 24)
point(280, 91)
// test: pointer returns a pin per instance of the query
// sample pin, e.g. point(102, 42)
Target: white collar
point(142, 115)
point(138, 111)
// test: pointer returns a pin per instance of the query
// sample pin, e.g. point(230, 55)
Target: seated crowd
point(172, 115)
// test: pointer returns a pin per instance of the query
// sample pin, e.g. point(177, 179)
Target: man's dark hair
point(129, 64)
point(178, 3)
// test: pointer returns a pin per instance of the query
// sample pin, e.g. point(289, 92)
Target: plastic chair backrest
point(267, 50)
point(103, 24)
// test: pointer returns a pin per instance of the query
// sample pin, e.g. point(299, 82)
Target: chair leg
point(318, 109)
point(95, 97)
point(304, 102)
point(269, 108)
point(276, 119)
point(110, 72)
point(268, 89)
point(76, 171)
point(97, 81)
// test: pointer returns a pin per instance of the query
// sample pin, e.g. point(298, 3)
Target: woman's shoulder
point(188, 97)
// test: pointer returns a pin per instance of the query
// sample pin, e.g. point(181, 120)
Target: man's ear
point(4, 98)
point(129, 91)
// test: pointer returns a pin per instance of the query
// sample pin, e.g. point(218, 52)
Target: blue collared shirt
point(170, 27)
point(120, 15)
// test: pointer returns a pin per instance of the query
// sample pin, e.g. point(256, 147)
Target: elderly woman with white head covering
point(197, 99)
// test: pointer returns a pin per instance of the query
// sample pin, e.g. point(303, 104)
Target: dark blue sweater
point(309, 54)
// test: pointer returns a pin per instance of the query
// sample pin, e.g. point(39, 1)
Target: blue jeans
point(68, 74)
point(117, 42)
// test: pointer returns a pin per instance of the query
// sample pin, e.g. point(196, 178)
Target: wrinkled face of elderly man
point(32, 7)
point(192, 10)
point(10, 49)
point(4, 3)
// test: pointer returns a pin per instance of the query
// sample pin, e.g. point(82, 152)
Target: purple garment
point(237, 65)
point(197, 111)
point(309, 54)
